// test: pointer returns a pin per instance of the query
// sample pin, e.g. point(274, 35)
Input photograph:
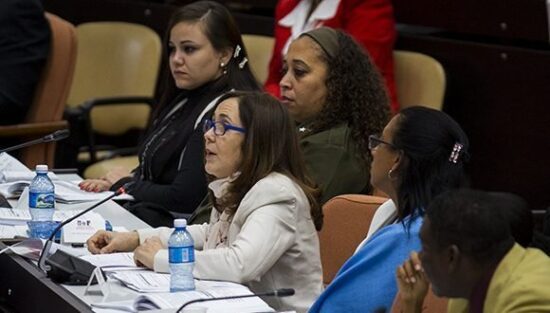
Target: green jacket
point(332, 162)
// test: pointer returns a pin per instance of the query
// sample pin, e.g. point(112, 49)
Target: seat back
point(53, 88)
point(432, 304)
point(115, 59)
point(347, 220)
point(420, 80)
point(259, 49)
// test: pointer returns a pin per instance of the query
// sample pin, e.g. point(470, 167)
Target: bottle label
point(41, 200)
point(181, 254)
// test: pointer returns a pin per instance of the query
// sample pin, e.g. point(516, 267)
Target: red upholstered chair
point(346, 223)
point(45, 114)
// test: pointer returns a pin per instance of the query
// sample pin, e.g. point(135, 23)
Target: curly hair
point(355, 94)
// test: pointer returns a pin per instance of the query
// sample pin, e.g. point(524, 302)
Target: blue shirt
point(366, 282)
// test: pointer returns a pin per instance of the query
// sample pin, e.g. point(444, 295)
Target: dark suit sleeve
point(188, 188)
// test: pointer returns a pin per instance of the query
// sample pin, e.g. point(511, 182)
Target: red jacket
point(370, 22)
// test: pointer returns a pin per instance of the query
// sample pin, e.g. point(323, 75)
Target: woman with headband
point(336, 94)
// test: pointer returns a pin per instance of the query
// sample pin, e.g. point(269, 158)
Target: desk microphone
point(283, 292)
point(48, 243)
point(55, 136)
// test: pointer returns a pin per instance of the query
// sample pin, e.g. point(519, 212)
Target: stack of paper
point(112, 262)
point(204, 290)
point(143, 280)
point(21, 217)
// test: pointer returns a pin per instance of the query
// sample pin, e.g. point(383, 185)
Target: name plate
point(79, 230)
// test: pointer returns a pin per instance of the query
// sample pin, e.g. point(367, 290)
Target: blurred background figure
point(24, 47)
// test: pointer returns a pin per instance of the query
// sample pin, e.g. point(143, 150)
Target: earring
point(223, 66)
point(390, 172)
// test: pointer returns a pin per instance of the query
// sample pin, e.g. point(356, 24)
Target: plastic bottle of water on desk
point(181, 255)
point(41, 202)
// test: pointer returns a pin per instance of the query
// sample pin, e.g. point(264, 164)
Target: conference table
point(25, 288)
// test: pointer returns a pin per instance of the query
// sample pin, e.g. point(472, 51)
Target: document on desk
point(7, 231)
point(143, 280)
point(65, 192)
point(204, 290)
point(21, 216)
point(8, 164)
point(112, 262)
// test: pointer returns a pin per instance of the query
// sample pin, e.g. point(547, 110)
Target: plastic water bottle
point(41, 196)
point(181, 255)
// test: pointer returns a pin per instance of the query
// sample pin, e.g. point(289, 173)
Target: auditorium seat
point(115, 79)
point(259, 49)
point(46, 112)
point(420, 80)
point(347, 220)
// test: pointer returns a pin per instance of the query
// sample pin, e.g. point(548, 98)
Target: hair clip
point(243, 62)
point(455, 153)
point(237, 52)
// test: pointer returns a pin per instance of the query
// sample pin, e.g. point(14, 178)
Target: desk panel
point(25, 288)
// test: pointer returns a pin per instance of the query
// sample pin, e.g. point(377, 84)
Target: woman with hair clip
point(333, 90)
point(419, 155)
point(207, 58)
point(262, 227)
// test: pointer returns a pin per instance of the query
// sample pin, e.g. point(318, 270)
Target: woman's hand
point(115, 174)
point(144, 255)
point(105, 182)
point(108, 242)
point(95, 185)
point(413, 284)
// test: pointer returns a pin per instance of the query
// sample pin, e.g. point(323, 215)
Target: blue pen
point(108, 226)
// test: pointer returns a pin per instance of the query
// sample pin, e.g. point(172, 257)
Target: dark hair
point(518, 214)
point(222, 31)
point(471, 220)
point(356, 95)
point(426, 138)
point(270, 145)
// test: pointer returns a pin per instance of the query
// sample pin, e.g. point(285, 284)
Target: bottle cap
point(180, 222)
point(42, 168)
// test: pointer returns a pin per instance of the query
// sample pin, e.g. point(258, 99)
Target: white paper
point(143, 280)
point(112, 260)
point(204, 289)
point(9, 163)
point(66, 192)
point(19, 175)
point(7, 231)
point(21, 217)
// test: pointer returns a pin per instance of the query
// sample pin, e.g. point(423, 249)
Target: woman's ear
point(399, 162)
point(226, 55)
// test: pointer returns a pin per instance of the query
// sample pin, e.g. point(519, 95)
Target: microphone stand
point(48, 243)
point(284, 292)
point(55, 136)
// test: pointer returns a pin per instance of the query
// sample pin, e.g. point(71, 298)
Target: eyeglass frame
point(208, 124)
point(375, 141)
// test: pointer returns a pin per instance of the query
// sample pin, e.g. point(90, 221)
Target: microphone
point(283, 292)
point(55, 136)
point(42, 259)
